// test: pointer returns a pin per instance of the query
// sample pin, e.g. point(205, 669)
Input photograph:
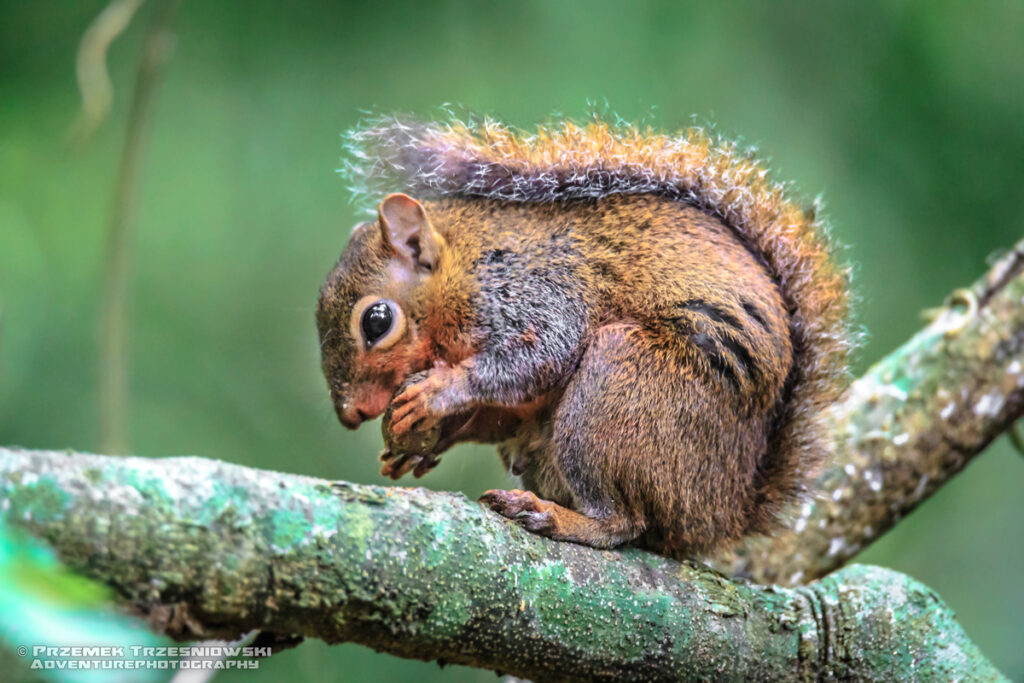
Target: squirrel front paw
point(422, 404)
point(410, 449)
point(398, 464)
point(418, 406)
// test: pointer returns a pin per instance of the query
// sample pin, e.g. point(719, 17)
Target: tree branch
point(209, 549)
point(904, 429)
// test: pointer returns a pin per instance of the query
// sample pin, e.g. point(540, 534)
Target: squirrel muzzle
point(361, 403)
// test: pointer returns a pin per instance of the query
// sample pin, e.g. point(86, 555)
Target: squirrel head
point(370, 312)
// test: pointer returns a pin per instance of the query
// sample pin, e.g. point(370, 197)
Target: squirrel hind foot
point(559, 523)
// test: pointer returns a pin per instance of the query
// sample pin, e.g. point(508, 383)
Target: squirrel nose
point(365, 403)
point(350, 415)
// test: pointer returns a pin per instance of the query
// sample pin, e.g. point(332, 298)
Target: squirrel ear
point(405, 228)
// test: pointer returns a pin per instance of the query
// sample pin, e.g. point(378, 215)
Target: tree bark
point(206, 549)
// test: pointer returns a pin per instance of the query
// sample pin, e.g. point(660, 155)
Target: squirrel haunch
point(647, 326)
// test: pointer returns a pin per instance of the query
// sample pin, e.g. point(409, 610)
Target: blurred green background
point(906, 116)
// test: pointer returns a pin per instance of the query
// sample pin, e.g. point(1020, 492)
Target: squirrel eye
point(377, 321)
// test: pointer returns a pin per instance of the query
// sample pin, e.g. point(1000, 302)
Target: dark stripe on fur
point(711, 311)
point(709, 346)
point(742, 355)
point(754, 313)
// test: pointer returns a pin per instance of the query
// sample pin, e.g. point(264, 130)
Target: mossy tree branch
point(207, 549)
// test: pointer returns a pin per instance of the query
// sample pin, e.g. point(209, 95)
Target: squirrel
point(647, 325)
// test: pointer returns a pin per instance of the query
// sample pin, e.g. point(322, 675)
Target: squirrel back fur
point(568, 161)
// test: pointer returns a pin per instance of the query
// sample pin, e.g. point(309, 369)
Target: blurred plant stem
point(91, 66)
point(116, 303)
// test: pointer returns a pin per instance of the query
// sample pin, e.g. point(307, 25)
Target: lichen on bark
point(208, 549)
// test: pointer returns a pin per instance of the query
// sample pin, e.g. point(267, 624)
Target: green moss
point(288, 529)
point(41, 501)
point(577, 614)
point(451, 614)
point(143, 481)
point(358, 524)
point(431, 575)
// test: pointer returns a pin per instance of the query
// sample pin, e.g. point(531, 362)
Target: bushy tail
point(567, 161)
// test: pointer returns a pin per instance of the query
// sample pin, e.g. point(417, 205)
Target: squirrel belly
point(647, 326)
point(657, 343)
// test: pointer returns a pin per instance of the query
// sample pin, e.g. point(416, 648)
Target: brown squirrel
point(647, 325)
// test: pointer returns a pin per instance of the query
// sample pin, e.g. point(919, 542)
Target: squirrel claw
point(510, 503)
point(414, 406)
point(428, 463)
point(395, 466)
point(398, 466)
point(538, 522)
point(522, 507)
point(409, 415)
